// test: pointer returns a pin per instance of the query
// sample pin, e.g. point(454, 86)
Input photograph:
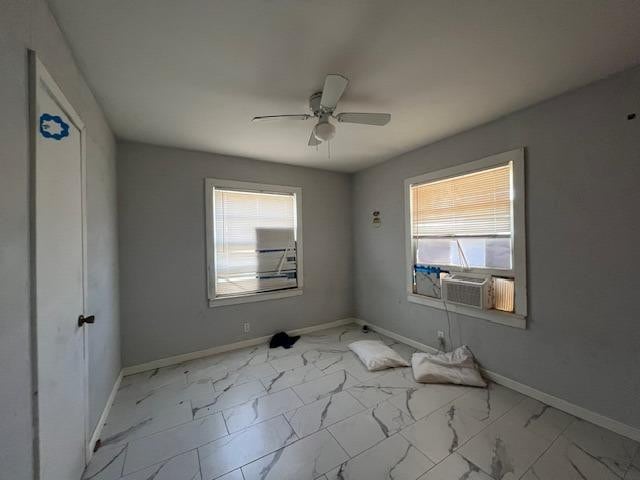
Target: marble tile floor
point(313, 412)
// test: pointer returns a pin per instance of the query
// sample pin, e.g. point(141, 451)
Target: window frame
point(210, 185)
point(518, 270)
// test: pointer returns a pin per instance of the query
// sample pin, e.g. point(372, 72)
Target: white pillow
point(457, 367)
point(376, 355)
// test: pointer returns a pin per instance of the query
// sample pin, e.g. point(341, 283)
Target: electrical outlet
point(247, 327)
point(440, 334)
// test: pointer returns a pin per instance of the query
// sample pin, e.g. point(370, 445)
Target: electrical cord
point(448, 324)
point(438, 290)
point(459, 330)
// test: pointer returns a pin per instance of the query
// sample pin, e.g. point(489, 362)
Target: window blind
point(255, 243)
point(473, 205)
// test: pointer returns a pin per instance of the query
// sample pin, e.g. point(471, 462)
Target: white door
point(59, 281)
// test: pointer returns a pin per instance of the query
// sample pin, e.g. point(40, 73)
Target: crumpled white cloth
point(458, 366)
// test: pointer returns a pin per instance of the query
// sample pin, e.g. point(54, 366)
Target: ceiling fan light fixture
point(324, 131)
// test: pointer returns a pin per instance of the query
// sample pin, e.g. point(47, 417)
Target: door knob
point(82, 319)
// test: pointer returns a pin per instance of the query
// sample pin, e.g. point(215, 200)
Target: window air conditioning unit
point(469, 290)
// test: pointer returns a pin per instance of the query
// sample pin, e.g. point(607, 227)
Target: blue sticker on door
point(52, 126)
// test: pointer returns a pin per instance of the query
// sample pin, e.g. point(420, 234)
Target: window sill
point(256, 297)
point(503, 318)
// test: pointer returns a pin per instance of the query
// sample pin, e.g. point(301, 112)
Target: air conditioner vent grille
point(468, 290)
point(464, 294)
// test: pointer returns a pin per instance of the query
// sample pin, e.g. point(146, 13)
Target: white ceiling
point(192, 73)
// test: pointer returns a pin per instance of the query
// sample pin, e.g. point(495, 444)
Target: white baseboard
point(556, 402)
point(561, 404)
point(105, 413)
point(185, 357)
point(163, 362)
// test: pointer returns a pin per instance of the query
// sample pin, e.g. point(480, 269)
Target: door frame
point(39, 73)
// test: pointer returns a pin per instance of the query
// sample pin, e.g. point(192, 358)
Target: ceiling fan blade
point(364, 118)
point(301, 116)
point(334, 86)
point(313, 140)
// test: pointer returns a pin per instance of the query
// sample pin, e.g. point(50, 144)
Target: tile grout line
point(173, 426)
point(433, 413)
point(501, 416)
point(187, 383)
point(334, 423)
point(456, 451)
point(636, 453)
point(212, 414)
point(126, 450)
point(378, 443)
point(265, 455)
point(298, 396)
point(339, 444)
point(163, 461)
point(365, 408)
point(224, 420)
point(173, 456)
point(342, 446)
point(551, 444)
point(524, 397)
point(300, 438)
point(266, 393)
point(168, 428)
point(350, 394)
point(199, 463)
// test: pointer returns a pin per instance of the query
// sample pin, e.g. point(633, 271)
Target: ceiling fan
point(323, 104)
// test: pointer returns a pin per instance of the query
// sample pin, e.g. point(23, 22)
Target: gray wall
point(29, 24)
point(162, 252)
point(583, 237)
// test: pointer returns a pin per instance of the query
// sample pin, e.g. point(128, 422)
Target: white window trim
point(519, 267)
point(210, 184)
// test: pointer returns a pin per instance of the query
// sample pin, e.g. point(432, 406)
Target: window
point(254, 241)
point(464, 221)
point(469, 218)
